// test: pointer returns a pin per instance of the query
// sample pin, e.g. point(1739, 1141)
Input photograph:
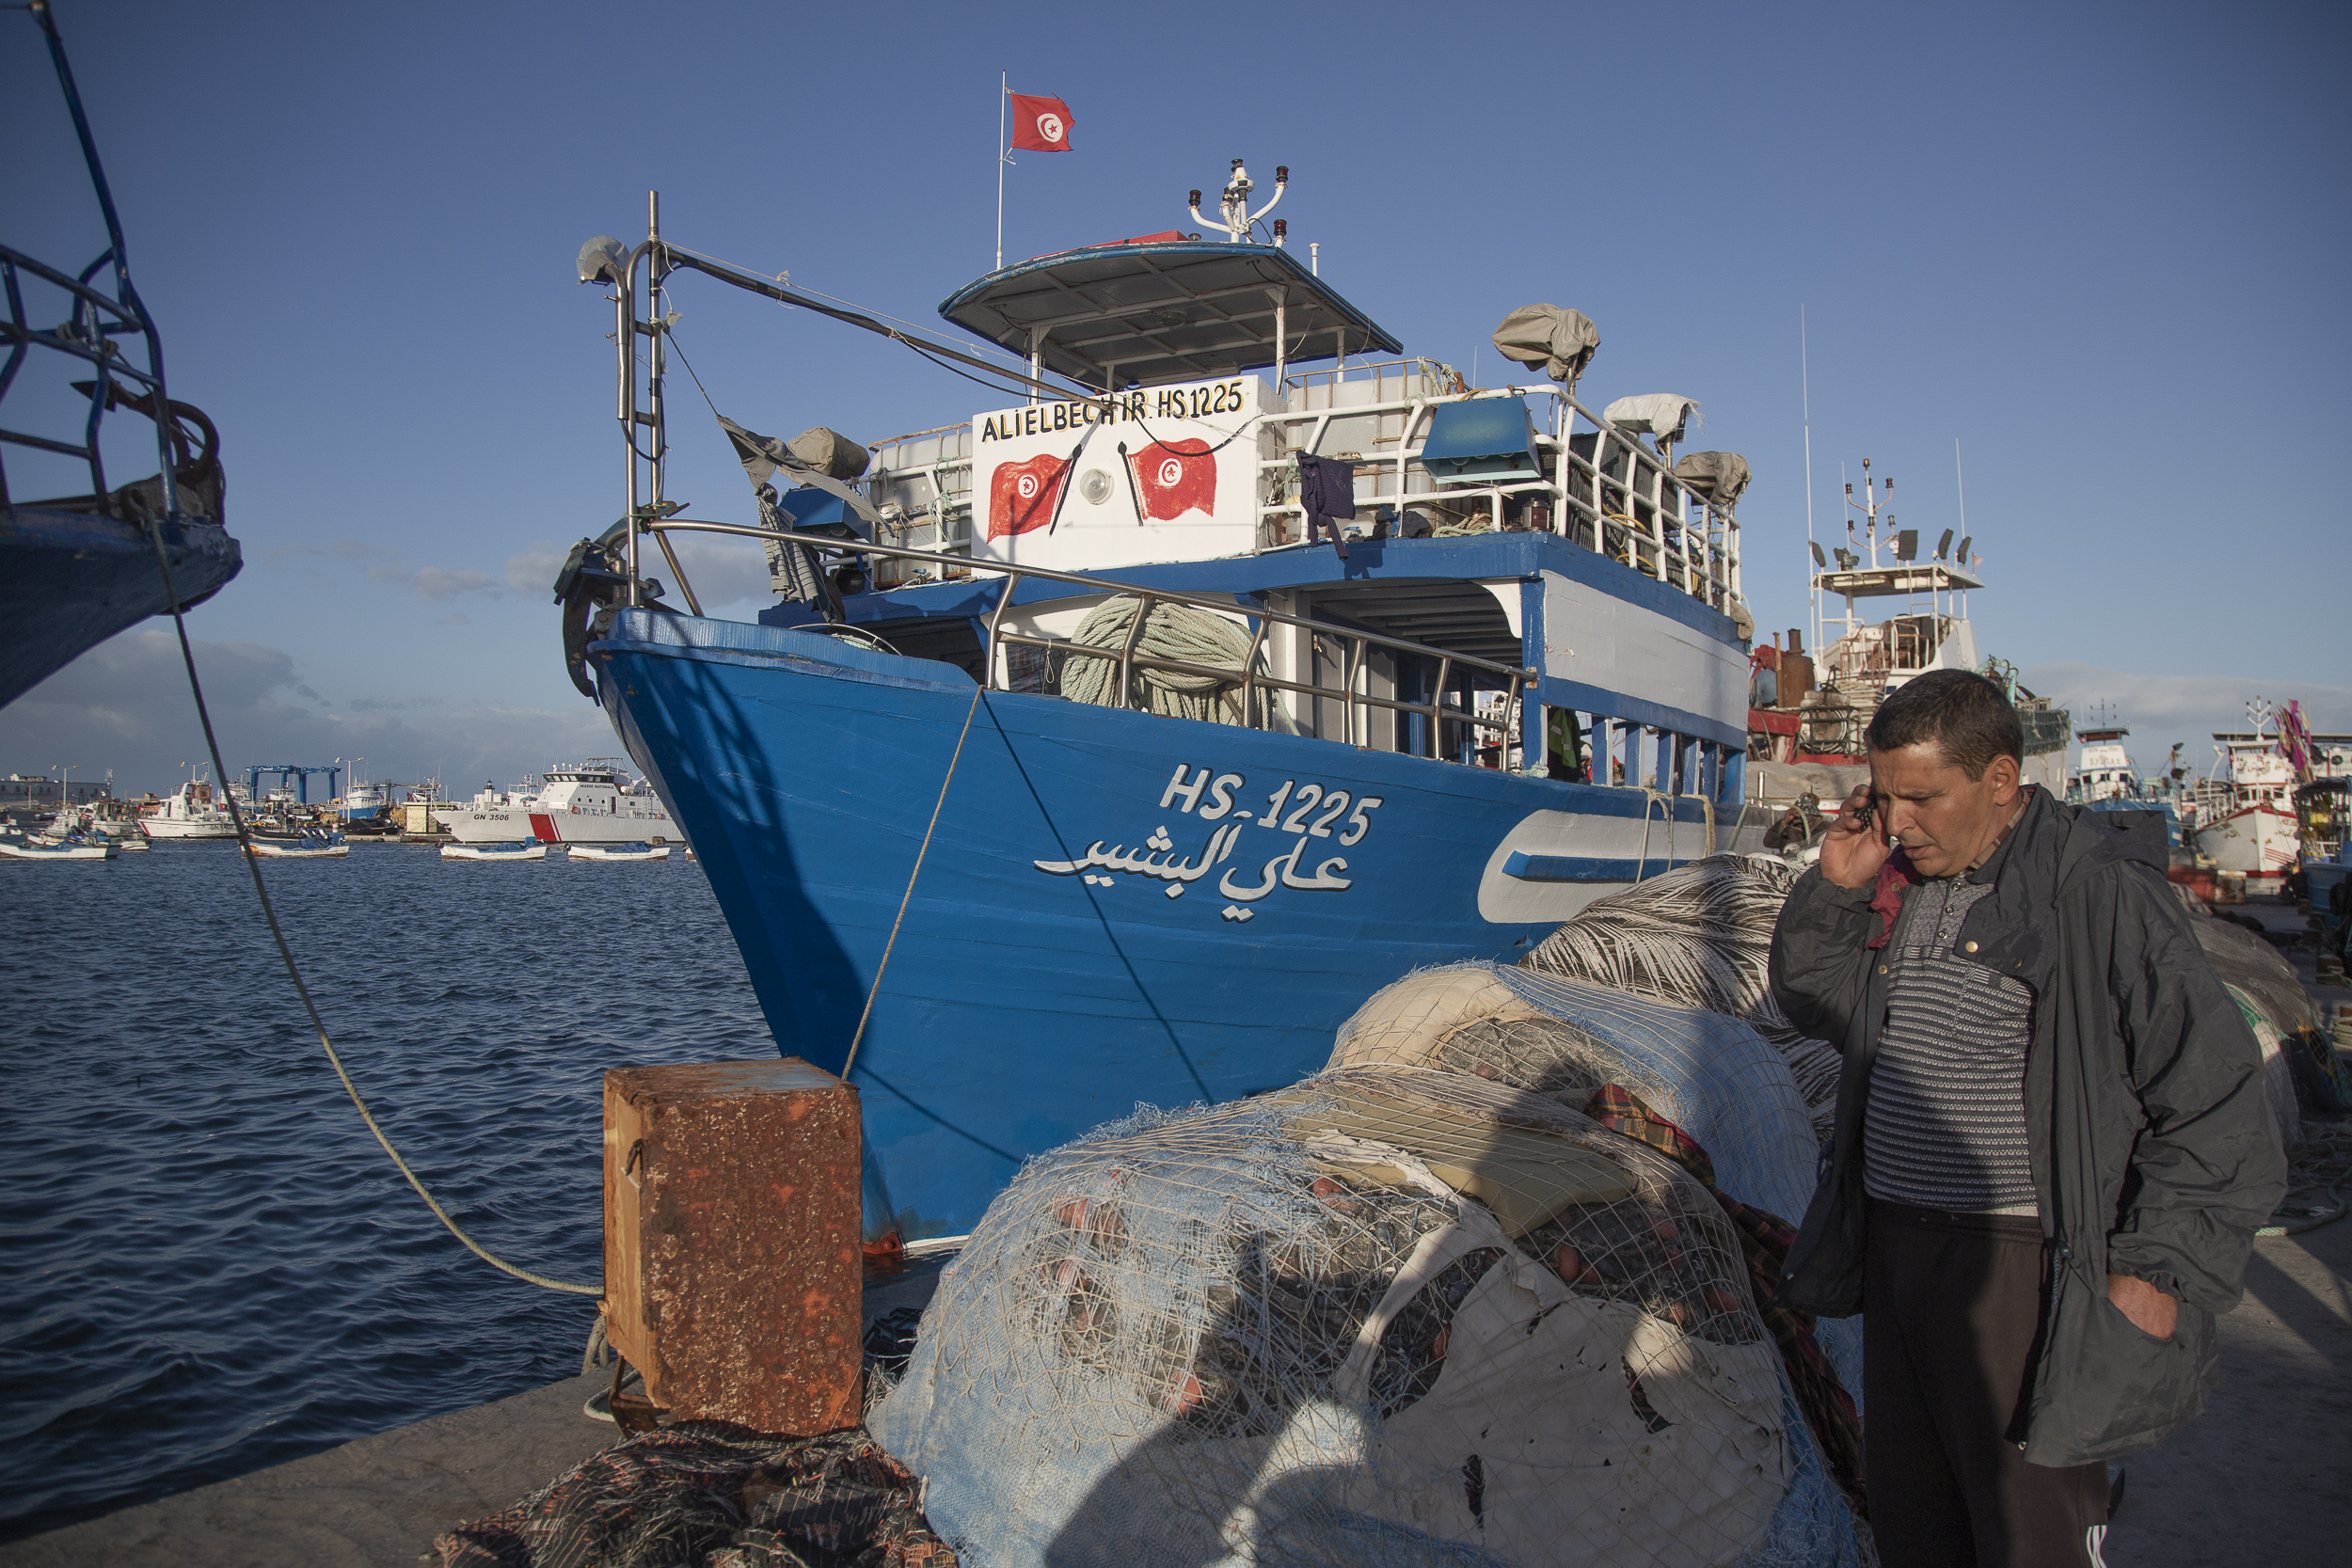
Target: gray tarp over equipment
point(822, 457)
point(1718, 476)
point(1658, 414)
point(1561, 341)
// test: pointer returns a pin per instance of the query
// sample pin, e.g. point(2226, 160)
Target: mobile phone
point(1866, 813)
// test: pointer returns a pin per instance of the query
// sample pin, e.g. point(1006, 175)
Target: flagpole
point(1004, 85)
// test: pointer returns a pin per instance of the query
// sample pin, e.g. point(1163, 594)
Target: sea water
point(209, 1265)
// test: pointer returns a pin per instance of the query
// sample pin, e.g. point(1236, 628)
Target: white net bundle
point(1394, 1315)
point(1700, 936)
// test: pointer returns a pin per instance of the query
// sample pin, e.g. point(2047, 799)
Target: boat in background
point(75, 569)
point(528, 850)
point(191, 811)
point(302, 847)
point(1808, 716)
point(2245, 808)
point(619, 851)
point(1209, 702)
point(75, 848)
point(591, 802)
point(2106, 778)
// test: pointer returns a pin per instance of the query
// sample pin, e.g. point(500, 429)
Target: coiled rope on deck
point(1170, 632)
point(269, 913)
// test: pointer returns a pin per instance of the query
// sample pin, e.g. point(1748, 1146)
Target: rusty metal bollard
point(732, 1258)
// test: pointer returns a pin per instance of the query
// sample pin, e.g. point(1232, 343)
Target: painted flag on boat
point(1175, 477)
point(1021, 496)
point(1041, 124)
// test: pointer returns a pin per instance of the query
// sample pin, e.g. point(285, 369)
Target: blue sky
point(2094, 243)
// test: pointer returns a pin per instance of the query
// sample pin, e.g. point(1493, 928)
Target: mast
point(1804, 383)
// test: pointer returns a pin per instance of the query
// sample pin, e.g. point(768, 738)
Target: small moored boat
point(311, 847)
point(620, 851)
point(62, 849)
point(528, 850)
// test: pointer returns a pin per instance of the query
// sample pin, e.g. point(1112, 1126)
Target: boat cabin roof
point(1163, 310)
point(1871, 583)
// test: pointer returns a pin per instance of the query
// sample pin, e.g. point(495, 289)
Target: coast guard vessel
point(1113, 745)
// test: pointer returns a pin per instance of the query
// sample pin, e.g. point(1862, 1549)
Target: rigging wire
point(277, 934)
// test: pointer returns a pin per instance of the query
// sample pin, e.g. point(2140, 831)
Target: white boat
point(191, 811)
point(67, 849)
point(528, 850)
point(593, 803)
point(619, 851)
point(332, 848)
point(2246, 820)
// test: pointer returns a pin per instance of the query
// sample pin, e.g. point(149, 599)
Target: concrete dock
point(2264, 1478)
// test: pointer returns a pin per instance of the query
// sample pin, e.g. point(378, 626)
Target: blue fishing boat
point(75, 569)
point(1115, 745)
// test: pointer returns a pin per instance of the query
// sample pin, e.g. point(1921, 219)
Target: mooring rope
point(269, 912)
point(924, 848)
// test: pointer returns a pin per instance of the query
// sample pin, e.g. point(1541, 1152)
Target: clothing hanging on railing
point(1327, 490)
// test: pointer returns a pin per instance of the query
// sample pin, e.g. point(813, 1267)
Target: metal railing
point(1355, 648)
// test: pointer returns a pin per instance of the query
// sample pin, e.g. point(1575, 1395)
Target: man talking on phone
point(2053, 1144)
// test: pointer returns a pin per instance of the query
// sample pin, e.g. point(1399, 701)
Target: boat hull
point(506, 824)
point(71, 580)
point(175, 828)
point(476, 852)
point(1105, 914)
point(2259, 840)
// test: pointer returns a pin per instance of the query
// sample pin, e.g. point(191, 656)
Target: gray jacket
point(2155, 1151)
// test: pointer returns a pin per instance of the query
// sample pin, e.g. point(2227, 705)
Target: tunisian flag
point(1175, 477)
point(1021, 496)
point(1041, 124)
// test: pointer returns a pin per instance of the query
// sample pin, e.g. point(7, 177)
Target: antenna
point(1805, 387)
point(1819, 559)
point(1944, 545)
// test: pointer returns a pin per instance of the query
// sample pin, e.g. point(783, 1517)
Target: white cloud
point(455, 618)
point(533, 570)
point(124, 704)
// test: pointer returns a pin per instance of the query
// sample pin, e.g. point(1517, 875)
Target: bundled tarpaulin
point(1715, 476)
point(1562, 340)
point(1658, 414)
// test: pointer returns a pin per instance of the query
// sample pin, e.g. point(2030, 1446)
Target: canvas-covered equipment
point(1408, 1312)
point(1699, 936)
point(1563, 341)
point(1658, 414)
point(1718, 476)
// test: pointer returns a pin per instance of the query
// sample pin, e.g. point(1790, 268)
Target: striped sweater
point(1946, 1125)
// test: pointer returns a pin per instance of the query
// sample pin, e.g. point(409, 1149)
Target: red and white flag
point(1041, 124)
point(1175, 477)
point(1021, 496)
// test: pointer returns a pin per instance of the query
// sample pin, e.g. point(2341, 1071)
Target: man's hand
point(1852, 851)
point(2151, 1311)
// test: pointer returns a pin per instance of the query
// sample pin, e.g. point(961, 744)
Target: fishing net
point(1389, 1316)
point(1699, 936)
point(714, 1495)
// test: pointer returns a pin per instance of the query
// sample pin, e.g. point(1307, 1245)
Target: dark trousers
point(1951, 1305)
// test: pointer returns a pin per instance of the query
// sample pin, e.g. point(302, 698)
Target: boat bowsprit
point(528, 850)
point(1187, 775)
point(619, 851)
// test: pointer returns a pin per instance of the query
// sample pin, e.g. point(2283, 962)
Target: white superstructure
point(593, 803)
